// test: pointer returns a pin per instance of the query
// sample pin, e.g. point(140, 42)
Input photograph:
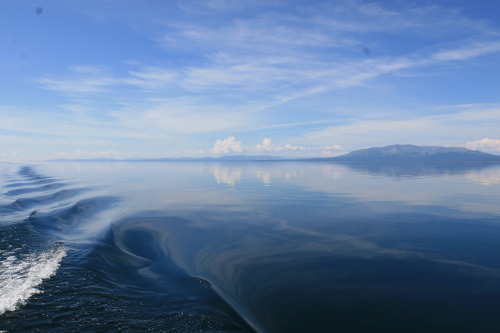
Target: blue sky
point(130, 78)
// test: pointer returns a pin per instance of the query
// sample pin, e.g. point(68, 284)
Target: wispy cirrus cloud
point(206, 103)
point(470, 49)
point(444, 129)
point(230, 66)
point(267, 82)
point(182, 116)
point(80, 80)
point(276, 52)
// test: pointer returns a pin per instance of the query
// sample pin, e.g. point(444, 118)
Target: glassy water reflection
point(291, 246)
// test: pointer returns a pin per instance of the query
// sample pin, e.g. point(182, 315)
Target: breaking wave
point(20, 275)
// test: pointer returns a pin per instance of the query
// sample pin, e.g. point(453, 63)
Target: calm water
point(250, 247)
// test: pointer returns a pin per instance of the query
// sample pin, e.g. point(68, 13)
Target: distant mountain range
point(416, 153)
point(388, 153)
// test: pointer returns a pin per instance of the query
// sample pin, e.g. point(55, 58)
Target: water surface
point(253, 246)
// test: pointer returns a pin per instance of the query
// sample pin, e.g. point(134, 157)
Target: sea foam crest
point(20, 276)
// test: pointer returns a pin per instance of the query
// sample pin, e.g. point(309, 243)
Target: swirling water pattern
point(45, 234)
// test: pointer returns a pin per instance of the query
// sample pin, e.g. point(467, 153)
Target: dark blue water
point(250, 247)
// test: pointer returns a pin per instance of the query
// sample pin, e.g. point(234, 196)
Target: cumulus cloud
point(486, 144)
point(230, 145)
point(267, 146)
point(227, 146)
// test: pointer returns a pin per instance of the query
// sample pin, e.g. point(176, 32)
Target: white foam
point(20, 276)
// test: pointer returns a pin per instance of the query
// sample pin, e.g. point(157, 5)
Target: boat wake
point(89, 263)
point(27, 257)
point(20, 275)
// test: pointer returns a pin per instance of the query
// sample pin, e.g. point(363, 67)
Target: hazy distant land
point(397, 152)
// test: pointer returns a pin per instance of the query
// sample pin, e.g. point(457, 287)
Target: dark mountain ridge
point(416, 153)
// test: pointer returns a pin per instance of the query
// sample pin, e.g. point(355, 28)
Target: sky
point(155, 78)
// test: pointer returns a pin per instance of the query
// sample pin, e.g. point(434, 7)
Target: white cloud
point(53, 125)
point(221, 75)
point(333, 147)
point(250, 81)
point(444, 129)
point(290, 147)
point(257, 62)
point(230, 145)
point(371, 132)
point(183, 116)
point(80, 80)
point(486, 145)
point(151, 78)
point(267, 146)
point(471, 50)
point(227, 146)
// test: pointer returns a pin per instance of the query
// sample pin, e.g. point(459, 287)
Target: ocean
point(276, 246)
